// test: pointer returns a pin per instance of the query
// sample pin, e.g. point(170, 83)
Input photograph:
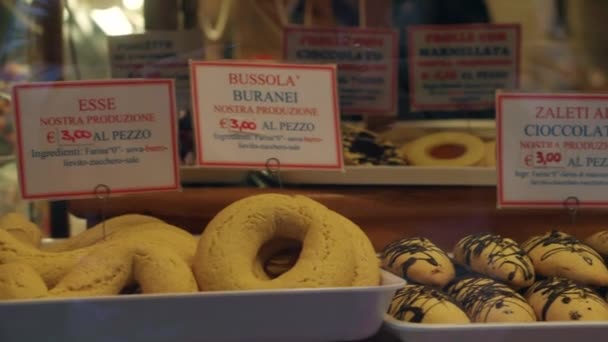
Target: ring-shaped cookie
point(419, 151)
point(489, 158)
point(228, 248)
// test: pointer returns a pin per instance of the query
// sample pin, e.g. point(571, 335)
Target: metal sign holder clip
point(273, 168)
point(572, 205)
point(102, 192)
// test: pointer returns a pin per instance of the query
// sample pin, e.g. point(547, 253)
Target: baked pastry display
point(363, 147)
point(487, 300)
point(557, 254)
point(418, 260)
point(424, 304)
point(559, 299)
point(266, 241)
point(497, 257)
point(276, 257)
point(446, 149)
point(157, 256)
point(489, 159)
point(20, 281)
point(599, 242)
point(109, 227)
point(21, 228)
point(335, 252)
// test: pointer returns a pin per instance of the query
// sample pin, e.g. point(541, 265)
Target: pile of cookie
point(440, 149)
point(490, 278)
point(364, 147)
point(252, 244)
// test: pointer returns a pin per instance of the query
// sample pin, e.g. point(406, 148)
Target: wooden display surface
point(443, 214)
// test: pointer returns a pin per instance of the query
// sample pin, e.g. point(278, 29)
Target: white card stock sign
point(74, 136)
point(552, 150)
point(249, 113)
point(457, 67)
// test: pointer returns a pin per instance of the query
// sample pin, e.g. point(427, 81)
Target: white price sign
point(552, 147)
point(367, 61)
point(249, 113)
point(74, 136)
point(459, 67)
point(157, 54)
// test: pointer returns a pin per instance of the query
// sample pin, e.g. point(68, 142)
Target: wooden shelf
point(443, 214)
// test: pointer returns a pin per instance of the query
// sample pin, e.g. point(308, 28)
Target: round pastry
point(599, 242)
point(559, 299)
point(497, 257)
point(446, 149)
point(331, 255)
point(422, 304)
point(486, 300)
point(367, 264)
point(280, 263)
point(557, 254)
point(418, 260)
point(276, 257)
point(489, 158)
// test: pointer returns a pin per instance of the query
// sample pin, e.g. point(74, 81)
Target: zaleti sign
point(552, 147)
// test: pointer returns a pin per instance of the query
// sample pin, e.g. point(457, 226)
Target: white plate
point(331, 314)
point(395, 175)
point(497, 332)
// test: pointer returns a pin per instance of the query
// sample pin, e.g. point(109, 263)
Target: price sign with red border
point(459, 67)
point(248, 113)
point(552, 147)
point(74, 136)
point(367, 60)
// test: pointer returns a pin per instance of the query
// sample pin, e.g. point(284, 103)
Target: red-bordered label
point(552, 150)
point(75, 135)
point(459, 67)
point(367, 60)
point(247, 113)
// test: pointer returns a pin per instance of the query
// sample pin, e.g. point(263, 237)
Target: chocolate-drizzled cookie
point(486, 300)
point(418, 260)
point(423, 304)
point(599, 242)
point(557, 254)
point(559, 299)
point(497, 257)
point(363, 147)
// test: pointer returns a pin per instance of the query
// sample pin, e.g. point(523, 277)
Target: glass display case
point(405, 243)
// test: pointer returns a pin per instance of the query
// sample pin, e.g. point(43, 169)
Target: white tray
point(399, 133)
point(377, 175)
point(395, 175)
point(332, 314)
point(495, 332)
